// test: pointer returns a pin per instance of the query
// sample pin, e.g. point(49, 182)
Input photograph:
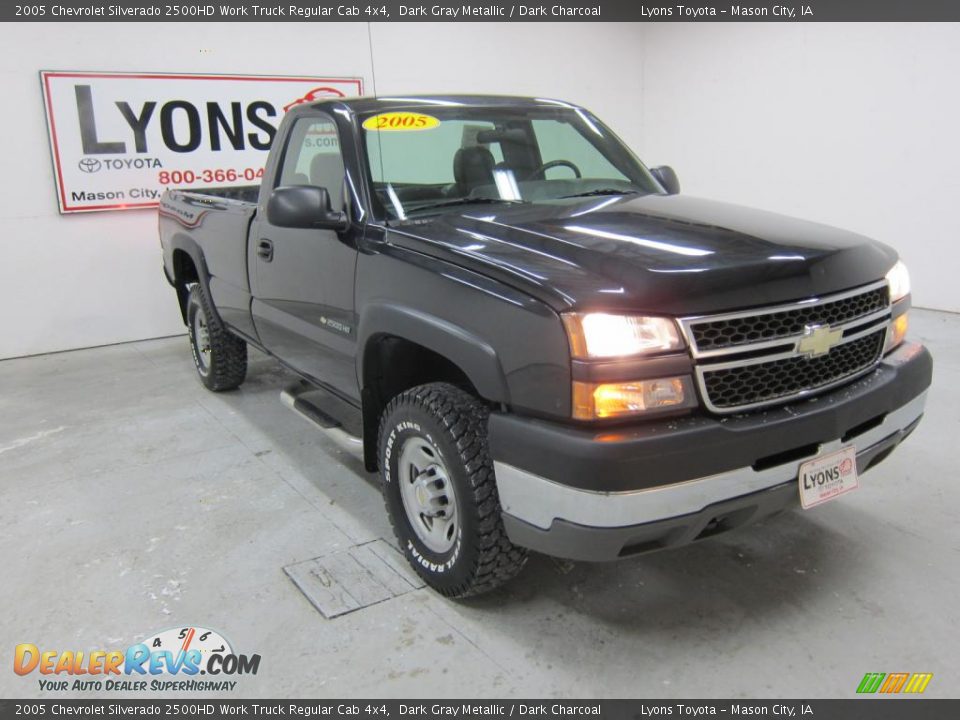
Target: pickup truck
point(538, 342)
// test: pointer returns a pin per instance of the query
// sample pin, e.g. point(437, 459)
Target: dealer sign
point(119, 139)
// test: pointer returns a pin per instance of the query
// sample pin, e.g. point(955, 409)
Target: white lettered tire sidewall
point(436, 568)
point(454, 423)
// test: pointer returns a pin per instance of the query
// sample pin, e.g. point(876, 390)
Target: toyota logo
point(89, 165)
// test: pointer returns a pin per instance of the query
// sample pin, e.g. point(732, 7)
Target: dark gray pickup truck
point(537, 341)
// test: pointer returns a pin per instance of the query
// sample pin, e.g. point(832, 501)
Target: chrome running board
point(293, 398)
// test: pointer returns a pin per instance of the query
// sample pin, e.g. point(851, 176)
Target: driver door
point(303, 279)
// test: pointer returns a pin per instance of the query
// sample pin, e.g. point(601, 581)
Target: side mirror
point(668, 178)
point(304, 206)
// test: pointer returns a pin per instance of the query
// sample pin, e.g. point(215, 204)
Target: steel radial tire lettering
point(454, 424)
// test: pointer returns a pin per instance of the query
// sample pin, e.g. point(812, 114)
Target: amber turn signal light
point(595, 401)
point(898, 332)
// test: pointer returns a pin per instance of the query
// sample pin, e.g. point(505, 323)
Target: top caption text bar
point(453, 11)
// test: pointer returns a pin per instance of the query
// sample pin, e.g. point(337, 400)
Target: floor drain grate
point(353, 579)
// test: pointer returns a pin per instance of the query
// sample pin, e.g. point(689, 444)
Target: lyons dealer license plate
point(828, 477)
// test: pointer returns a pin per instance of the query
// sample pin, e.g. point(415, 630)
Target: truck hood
point(675, 255)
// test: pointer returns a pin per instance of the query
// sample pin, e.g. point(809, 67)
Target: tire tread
point(464, 418)
point(228, 353)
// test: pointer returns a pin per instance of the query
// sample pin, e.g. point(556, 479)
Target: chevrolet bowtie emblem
point(818, 339)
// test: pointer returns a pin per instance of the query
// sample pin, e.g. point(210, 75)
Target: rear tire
point(440, 491)
point(219, 356)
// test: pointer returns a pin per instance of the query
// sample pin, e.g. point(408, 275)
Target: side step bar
point(297, 398)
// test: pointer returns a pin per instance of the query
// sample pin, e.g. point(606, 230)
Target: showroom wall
point(95, 278)
point(853, 125)
point(89, 279)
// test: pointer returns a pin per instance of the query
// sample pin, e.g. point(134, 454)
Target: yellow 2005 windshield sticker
point(400, 121)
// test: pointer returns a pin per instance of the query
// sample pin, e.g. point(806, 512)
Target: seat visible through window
point(472, 168)
point(326, 171)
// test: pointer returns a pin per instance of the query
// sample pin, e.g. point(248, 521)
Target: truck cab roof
point(386, 103)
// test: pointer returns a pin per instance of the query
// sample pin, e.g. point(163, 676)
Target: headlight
point(899, 280)
point(602, 335)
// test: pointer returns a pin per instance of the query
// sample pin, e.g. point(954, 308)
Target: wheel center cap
point(421, 496)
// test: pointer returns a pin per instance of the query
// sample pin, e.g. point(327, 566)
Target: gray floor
point(133, 500)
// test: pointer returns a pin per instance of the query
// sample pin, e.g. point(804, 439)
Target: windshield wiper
point(602, 191)
point(470, 201)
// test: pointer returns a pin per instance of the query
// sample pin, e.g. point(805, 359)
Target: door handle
point(265, 250)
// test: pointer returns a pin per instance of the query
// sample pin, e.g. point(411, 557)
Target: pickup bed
point(538, 342)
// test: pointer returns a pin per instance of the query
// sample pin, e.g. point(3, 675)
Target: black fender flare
point(188, 245)
point(468, 351)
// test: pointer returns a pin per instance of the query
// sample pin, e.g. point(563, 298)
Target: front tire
point(219, 356)
point(440, 491)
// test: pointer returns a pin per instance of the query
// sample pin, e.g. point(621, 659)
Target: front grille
point(748, 329)
point(772, 355)
point(765, 382)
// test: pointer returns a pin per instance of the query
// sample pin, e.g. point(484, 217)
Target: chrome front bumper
point(540, 502)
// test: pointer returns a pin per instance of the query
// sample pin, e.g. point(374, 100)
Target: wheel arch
point(188, 266)
point(400, 348)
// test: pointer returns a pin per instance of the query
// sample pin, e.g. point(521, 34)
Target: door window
point(313, 157)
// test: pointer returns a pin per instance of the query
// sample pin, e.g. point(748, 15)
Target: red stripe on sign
point(120, 206)
point(188, 76)
point(56, 145)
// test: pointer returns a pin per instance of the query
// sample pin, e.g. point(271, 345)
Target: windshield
point(437, 159)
